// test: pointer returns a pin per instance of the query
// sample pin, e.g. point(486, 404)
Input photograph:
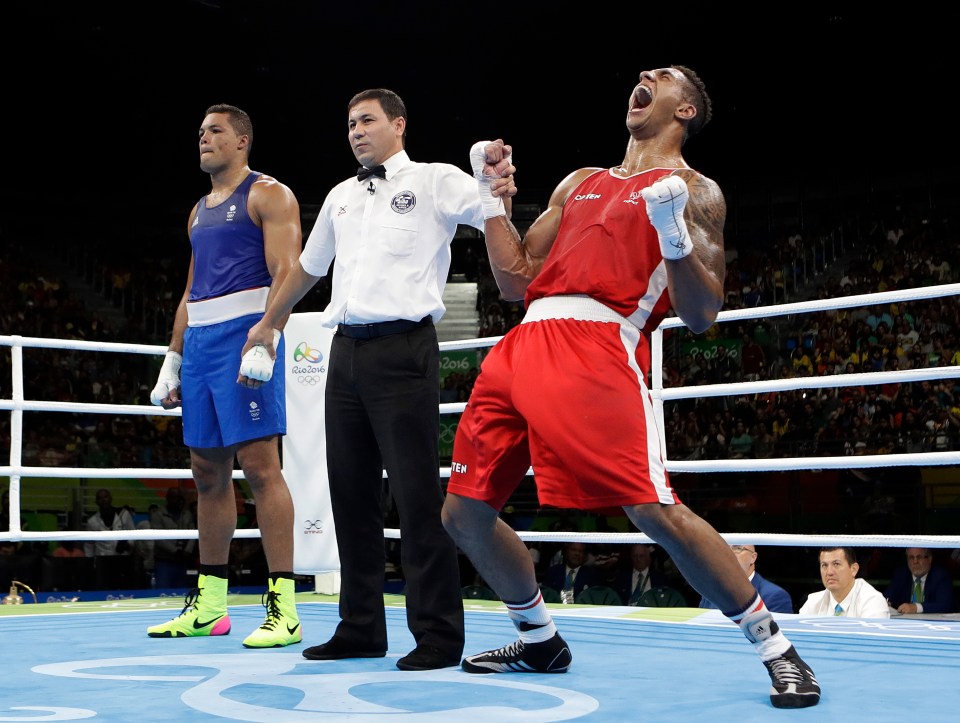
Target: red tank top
point(606, 249)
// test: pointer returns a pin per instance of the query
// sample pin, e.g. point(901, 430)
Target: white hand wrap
point(492, 205)
point(666, 200)
point(169, 378)
point(257, 364)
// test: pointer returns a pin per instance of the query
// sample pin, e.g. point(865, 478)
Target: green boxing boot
point(282, 624)
point(204, 612)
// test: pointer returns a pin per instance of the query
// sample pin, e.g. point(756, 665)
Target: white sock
point(761, 629)
point(532, 619)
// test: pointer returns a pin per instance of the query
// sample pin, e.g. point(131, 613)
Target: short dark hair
point(848, 552)
point(696, 94)
point(239, 120)
point(391, 103)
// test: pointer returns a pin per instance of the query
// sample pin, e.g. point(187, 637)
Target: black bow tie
point(363, 173)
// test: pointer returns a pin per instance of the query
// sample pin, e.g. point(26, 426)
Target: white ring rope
point(843, 302)
point(17, 405)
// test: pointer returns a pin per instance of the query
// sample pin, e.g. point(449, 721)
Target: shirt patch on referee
point(404, 202)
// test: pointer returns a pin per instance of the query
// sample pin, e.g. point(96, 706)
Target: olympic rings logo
point(310, 380)
point(448, 432)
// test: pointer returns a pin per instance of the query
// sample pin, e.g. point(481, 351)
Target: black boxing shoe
point(550, 656)
point(794, 684)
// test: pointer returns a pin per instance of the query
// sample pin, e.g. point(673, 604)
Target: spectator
point(940, 430)
point(448, 390)
point(741, 444)
point(800, 362)
point(108, 518)
point(723, 369)
point(764, 443)
point(752, 358)
point(697, 368)
point(774, 597)
point(939, 268)
point(641, 576)
point(845, 594)
point(907, 336)
point(781, 423)
point(572, 576)
point(752, 295)
point(920, 586)
point(714, 442)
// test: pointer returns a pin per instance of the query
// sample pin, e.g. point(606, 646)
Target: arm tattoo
point(707, 213)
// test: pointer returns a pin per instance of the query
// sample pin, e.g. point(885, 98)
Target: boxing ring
point(92, 660)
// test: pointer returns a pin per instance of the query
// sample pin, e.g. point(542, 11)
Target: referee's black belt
point(381, 328)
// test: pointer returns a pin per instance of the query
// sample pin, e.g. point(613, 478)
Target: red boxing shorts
point(568, 396)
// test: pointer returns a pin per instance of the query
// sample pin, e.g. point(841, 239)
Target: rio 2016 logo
point(308, 374)
point(304, 353)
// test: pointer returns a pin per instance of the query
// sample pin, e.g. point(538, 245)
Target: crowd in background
point(919, 416)
point(130, 298)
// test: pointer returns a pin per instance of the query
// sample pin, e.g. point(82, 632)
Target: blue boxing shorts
point(218, 412)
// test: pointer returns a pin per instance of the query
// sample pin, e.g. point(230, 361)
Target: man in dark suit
point(921, 586)
point(572, 573)
point(774, 597)
point(641, 576)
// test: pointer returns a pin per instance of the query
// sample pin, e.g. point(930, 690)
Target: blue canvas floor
point(93, 661)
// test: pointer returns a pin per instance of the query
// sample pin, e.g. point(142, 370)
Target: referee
point(387, 232)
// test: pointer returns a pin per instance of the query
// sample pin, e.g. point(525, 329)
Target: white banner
point(305, 446)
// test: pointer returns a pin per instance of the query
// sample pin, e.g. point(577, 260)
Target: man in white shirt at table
point(845, 595)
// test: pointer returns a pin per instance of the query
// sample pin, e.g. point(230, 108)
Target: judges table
point(924, 616)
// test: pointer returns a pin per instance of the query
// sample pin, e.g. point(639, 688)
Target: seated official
point(776, 598)
point(641, 577)
point(571, 574)
point(845, 594)
point(920, 586)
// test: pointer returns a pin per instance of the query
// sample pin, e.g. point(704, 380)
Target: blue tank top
point(227, 247)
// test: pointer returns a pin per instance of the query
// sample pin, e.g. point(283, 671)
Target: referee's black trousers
point(382, 412)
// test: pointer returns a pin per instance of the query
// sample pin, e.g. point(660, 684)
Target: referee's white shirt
point(389, 241)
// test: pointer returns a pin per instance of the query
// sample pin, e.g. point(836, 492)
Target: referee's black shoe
point(337, 649)
point(427, 657)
